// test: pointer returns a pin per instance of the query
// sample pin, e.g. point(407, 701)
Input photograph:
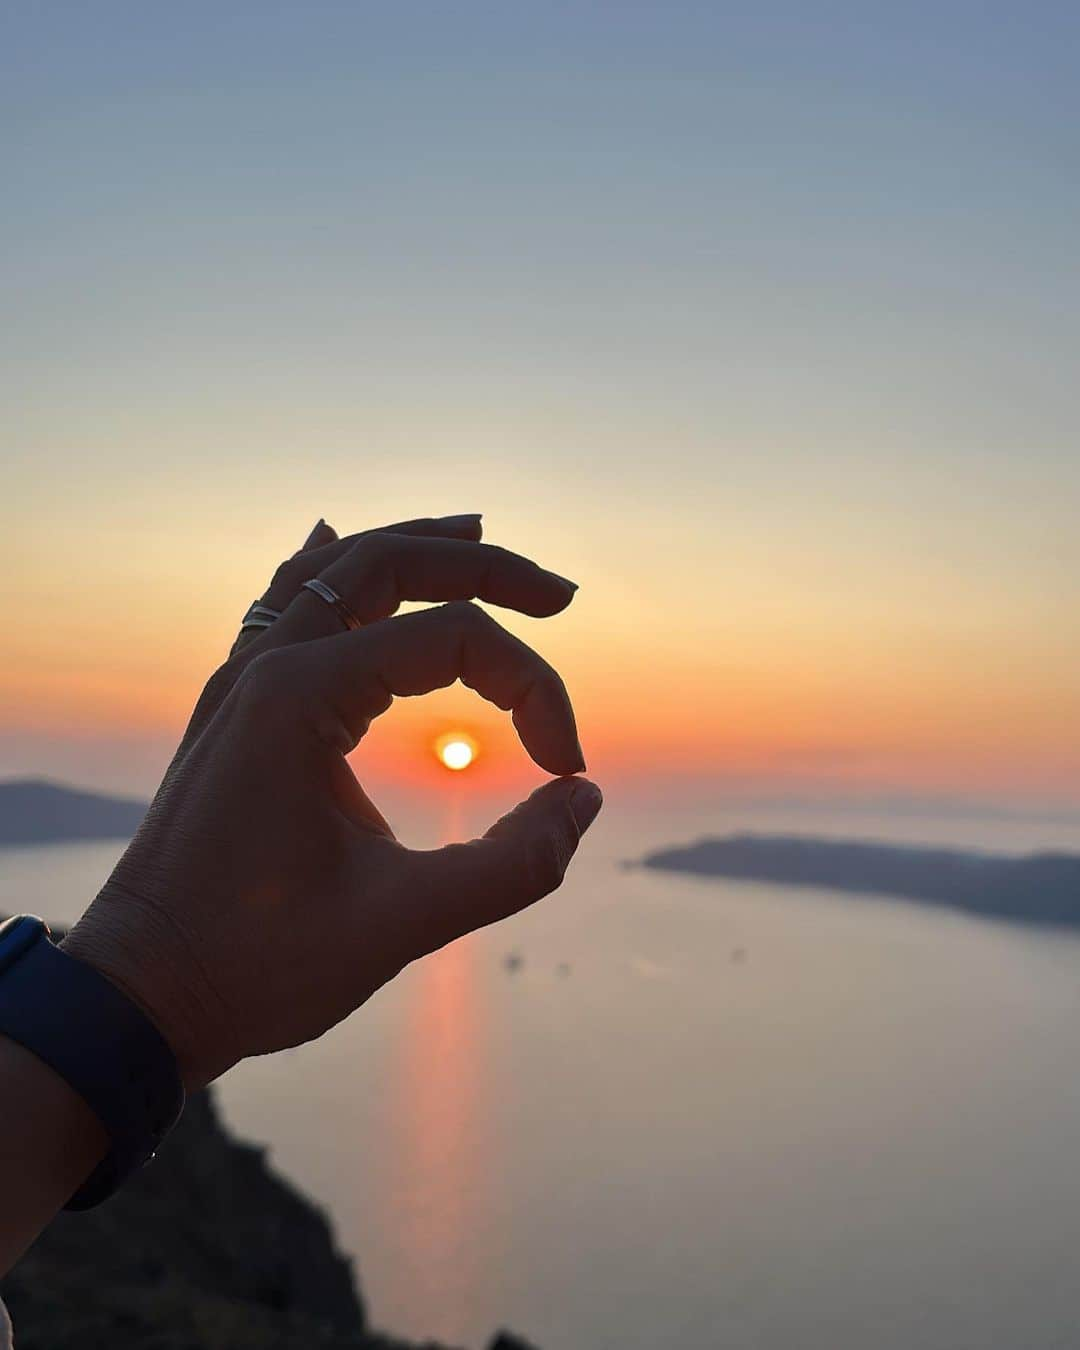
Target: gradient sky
point(760, 321)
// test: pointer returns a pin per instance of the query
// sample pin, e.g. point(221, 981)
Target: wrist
point(140, 950)
point(103, 1046)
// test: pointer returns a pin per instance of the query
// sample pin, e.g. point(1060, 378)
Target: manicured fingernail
point(320, 525)
point(585, 803)
point(463, 522)
point(566, 581)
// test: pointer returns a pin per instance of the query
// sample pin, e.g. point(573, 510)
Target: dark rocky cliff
point(206, 1249)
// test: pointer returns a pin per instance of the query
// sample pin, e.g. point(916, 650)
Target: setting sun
point(456, 750)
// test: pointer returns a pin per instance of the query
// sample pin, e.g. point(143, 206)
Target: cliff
point(205, 1249)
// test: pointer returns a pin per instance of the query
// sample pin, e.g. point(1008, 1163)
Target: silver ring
point(336, 603)
point(259, 616)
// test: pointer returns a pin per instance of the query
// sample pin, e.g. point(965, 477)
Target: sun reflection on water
point(442, 1156)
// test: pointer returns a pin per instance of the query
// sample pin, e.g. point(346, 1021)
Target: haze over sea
point(700, 1113)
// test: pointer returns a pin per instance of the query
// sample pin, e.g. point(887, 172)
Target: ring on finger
point(334, 600)
point(259, 616)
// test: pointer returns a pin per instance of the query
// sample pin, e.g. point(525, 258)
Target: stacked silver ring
point(336, 603)
point(262, 616)
point(259, 616)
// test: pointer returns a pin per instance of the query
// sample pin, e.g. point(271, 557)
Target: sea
point(659, 1111)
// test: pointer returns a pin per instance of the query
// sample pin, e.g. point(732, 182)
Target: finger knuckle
point(559, 686)
point(287, 576)
point(373, 549)
point(220, 682)
point(266, 676)
point(552, 681)
point(466, 614)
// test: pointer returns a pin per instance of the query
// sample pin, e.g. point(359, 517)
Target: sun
point(456, 750)
point(457, 755)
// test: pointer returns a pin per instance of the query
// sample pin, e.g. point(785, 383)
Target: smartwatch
point(107, 1049)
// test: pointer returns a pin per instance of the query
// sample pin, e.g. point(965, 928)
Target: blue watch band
point(95, 1038)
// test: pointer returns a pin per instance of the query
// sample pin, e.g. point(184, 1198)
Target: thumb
point(522, 858)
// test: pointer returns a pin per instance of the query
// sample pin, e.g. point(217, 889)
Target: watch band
point(95, 1038)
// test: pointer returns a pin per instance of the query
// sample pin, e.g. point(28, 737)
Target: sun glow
point(456, 750)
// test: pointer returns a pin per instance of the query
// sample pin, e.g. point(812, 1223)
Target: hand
point(264, 897)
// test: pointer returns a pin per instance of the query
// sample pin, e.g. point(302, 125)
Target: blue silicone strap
point(106, 1048)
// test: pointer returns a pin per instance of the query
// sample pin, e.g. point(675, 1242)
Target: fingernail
point(566, 581)
point(463, 521)
point(585, 803)
point(319, 524)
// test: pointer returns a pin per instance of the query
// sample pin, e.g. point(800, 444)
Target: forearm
point(50, 1142)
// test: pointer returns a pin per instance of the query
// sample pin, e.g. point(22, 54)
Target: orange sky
point(717, 659)
point(766, 341)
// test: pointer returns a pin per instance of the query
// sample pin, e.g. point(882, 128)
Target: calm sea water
point(698, 1114)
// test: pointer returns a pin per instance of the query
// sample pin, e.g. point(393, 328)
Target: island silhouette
point(36, 811)
point(1037, 888)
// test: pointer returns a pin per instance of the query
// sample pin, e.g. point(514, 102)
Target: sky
point(759, 321)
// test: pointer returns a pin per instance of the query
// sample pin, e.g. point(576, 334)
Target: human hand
point(265, 897)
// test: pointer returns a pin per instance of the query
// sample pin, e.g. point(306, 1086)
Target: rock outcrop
point(206, 1249)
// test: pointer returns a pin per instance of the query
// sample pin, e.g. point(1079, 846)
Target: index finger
point(355, 675)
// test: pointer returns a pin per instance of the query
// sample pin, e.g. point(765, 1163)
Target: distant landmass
point(1039, 888)
point(33, 811)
